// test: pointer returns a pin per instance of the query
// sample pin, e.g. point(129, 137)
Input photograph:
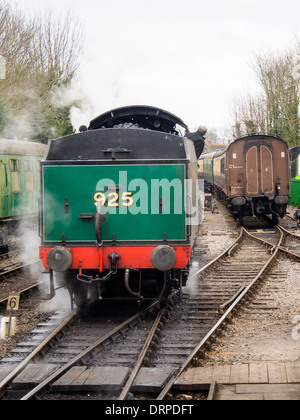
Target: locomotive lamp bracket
point(114, 152)
point(114, 261)
point(67, 206)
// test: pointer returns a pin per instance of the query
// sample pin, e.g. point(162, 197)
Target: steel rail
point(219, 257)
point(142, 356)
point(17, 267)
point(21, 292)
point(289, 233)
point(290, 217)
point(57, 374)
point(186, 363)
point(36, 351)
point(281, 248)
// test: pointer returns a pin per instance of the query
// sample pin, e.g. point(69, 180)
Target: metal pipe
point(128, 288)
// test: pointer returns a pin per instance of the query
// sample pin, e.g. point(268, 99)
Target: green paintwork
point(295, 187)
point(78, 185)
point(295, 192)
point(25, 201)
point(208, 165)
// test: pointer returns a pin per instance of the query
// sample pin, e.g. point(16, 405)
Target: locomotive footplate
point(104, 257)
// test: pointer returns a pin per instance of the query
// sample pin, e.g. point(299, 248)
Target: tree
point(42, 54)
point(275, 73)
point(276, 109)
point(249, 115)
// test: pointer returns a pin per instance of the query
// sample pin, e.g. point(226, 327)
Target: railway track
point(14, 266)
point(62, 345)
point(15, 278)
point(231, 276)
point(3, 301)
point(290, 243)
point(165, 341)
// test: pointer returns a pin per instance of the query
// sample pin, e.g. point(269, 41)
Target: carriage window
point(15, 176)
point(28, 175)
point(223, 166)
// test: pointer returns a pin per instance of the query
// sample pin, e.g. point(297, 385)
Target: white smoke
point(192, 282)
point(61, 301)
point(30, 242)
point(73, 96)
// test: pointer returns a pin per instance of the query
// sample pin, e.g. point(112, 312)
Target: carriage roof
point(21, 148)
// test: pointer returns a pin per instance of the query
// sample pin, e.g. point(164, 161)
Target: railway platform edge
point(269, 380)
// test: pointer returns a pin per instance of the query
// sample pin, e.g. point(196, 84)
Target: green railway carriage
point(295, 182)
point(117, 213)
point(206, 167)
point(19, 183)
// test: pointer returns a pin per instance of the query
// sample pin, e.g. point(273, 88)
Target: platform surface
point(253, 381)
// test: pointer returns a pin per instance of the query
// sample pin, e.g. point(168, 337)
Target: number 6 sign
point(13, 302)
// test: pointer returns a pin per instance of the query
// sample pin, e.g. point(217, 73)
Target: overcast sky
point(190, 57)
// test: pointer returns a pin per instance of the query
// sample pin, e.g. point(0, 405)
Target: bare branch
point(41, 53)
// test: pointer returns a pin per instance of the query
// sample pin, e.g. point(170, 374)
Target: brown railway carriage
point(254, 175)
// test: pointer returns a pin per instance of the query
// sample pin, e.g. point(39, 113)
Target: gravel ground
point(26, 323)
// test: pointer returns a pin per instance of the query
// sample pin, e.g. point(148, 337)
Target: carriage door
point(3, 190)
point(259, 171)
point(252, 181)
point(266, 164)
